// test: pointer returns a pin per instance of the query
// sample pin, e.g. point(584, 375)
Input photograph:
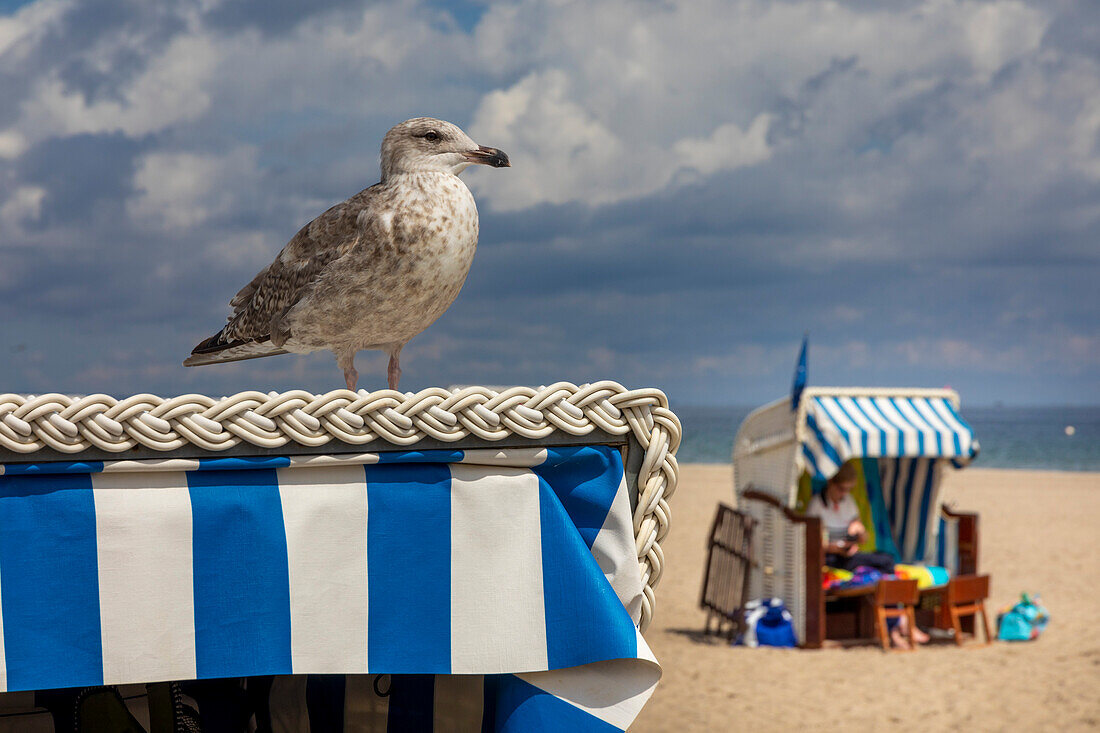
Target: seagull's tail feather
point(216, 351)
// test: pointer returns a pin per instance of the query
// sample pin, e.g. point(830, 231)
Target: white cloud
point(178, 191)
point(171, 91)
point(25, 204)
point(12, 144)
point(727, 148)
point(19, 31)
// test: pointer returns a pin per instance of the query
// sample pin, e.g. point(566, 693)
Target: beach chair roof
point(831, 425)
point(835, 425)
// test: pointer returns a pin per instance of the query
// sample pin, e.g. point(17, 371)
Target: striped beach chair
point(465, 559)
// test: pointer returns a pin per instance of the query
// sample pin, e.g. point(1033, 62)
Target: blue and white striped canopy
point(841, 427)
point(518, 564)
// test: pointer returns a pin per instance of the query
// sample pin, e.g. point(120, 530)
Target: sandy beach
point(1039, 533)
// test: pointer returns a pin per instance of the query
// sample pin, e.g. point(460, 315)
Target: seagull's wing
point(280, 285)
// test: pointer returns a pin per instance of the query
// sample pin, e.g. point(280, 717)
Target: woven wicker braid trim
point(73, 424)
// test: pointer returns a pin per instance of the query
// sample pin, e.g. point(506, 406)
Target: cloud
point(693, 186)
point(174, 190)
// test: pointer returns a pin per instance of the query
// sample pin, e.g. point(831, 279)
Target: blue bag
point(768, 623)
point(1024, 621)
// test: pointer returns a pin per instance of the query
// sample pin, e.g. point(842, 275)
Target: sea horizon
point(1022, 437)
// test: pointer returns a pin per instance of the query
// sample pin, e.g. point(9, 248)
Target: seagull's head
point(425, 144)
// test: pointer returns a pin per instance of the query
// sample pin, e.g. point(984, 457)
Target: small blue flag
point(799, 374)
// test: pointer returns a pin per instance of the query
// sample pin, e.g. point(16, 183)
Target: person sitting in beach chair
point(839, 516)
point(840, 519)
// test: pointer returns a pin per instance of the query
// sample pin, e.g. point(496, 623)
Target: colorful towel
point(927, 576)
point(831, 577)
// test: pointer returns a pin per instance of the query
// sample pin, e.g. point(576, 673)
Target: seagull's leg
point(394, 370)
point(346, 361)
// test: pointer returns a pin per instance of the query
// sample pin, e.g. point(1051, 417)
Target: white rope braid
point(73, 424)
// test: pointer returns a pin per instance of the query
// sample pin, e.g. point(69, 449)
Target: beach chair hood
point(836, 427)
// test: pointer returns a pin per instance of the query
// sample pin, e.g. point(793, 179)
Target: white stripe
point(146, 587)
point(615, 552)
point(946, 435)
point(325, 515)
point(495, 534)
point(518, 457)
point(613, 691)
point(932, 521)
point(334, 459)
point(155, 464)
point(191, 464)
point(855, 445)
point(965, 436)
point(951, 545)
point(921, 426)
point(909, 433)
point(874, 442)
point(875, 416)
point(919, 470)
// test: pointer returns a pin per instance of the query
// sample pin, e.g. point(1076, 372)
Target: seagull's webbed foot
point(393, 372)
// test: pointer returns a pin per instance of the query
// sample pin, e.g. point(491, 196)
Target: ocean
point(1010, 437)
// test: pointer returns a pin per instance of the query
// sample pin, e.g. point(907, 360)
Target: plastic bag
point(768, 623)
point(1023, 621)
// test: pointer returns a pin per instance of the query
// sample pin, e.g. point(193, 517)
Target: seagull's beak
point(488, 156)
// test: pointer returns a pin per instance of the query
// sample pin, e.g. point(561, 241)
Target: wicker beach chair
point(446, 554)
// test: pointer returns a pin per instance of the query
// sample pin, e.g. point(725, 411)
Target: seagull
point(373, 271)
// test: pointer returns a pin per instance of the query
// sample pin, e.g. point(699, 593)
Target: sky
point(694, 185)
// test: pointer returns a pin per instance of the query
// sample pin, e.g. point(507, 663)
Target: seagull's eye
point(431, 136)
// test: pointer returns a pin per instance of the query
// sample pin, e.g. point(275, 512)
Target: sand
point(1040, 532)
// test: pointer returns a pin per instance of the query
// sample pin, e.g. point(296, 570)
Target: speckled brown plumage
point(373, 271)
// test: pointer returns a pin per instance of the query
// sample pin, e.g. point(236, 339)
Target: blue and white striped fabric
point(910, 491)
point(947, 544)
point(518, 563)
point(839, 428)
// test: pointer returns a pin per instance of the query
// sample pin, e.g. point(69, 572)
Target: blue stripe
point(513, 705)
point(964, 425)
point(910, 423)
point(50, 582)
point(421, 456)
point(925, 502)
point(941, 544)
point(884, 539)
point(585, 620)
point(811, 462)
point(895, 501)
point(33, 469)
point(242, 585)
point(586, 481)
point(826, 447)
point(862, 433)
point(242, 463)
point(882, 449)
point(939, 437)
point(409, 568)
point(907, 492)
point(828, 419)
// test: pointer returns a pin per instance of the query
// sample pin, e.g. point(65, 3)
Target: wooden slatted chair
point(726, 580)
point(895, 599)
point(966, 596)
